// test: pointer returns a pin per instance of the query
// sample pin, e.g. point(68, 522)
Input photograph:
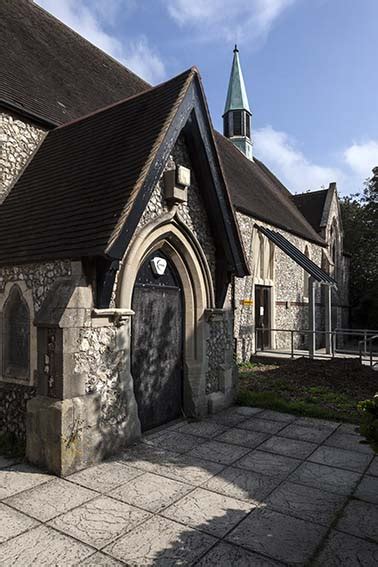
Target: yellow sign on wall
point(246, 302)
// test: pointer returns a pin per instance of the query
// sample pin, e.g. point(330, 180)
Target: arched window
point(306, 275)
point(16, 335)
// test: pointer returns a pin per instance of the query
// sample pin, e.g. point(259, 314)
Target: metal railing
point(329, 340)
point(364, 342)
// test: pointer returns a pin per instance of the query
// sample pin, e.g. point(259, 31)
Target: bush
point(368, 410)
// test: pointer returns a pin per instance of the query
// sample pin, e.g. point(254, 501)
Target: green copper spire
point(237, 95)
point(237, 115)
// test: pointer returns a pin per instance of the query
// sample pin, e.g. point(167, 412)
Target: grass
point(312, 388)
point(301, 407)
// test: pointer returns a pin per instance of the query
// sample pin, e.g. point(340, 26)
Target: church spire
point(237, 114)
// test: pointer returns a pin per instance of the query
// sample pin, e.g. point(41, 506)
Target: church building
point(139, 248)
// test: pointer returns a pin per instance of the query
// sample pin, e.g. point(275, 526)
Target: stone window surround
point(27, 295)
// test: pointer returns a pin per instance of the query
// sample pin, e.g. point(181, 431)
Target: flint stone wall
point(18, 140)
point(290, 307)
point(39, 278)
point(192, 213)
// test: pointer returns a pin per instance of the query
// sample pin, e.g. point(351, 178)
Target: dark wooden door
point(263, 315)
point(157, 343)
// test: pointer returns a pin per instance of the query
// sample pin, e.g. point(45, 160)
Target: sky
point(309, 67)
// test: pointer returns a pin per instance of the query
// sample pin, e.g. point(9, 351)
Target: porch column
point(328, 318)
point(312, 320)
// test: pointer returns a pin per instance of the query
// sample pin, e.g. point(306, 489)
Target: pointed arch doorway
point(157, 341)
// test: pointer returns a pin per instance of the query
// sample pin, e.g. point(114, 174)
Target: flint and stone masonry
point(80, 401)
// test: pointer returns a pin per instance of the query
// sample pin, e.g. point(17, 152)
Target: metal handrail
point(332, 334)
point(363, 342)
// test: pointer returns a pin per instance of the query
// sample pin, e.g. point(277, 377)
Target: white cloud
point(145, 61)
point(88, 18)
point(297, 172)
point(300, 174)
point(361, 158)
point(235, 21)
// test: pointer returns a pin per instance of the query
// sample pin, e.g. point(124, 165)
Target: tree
point(360, 221)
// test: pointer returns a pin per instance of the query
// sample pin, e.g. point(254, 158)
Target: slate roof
point(80, 186)
point(255, 191)
point(311, 205)
point(53, 72)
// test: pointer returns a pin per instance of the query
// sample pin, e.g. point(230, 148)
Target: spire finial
point(236, 50)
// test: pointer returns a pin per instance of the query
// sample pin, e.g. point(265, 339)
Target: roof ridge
point(310, 192)
point(124, 100)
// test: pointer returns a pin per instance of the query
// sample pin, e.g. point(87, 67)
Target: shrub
point(368, 410)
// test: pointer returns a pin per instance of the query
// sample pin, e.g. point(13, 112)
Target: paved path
point(246, 487)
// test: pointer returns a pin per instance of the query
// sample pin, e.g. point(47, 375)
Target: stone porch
point(244, 487)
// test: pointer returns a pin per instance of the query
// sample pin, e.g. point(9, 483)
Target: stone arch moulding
point(191, 264)
point(27, 296)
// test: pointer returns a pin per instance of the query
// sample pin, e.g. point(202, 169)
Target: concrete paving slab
point(192, 470)
point(20, 477)
point(277, 416)
point(43, 546)
point(278, 536)
point(368, 489)
point(245, 411)
point(51, 499)
point(207, 511)
point(147, 458)
point(13, 523)
point(331, 426)
point(344, 550)
point(173, 441)
point(230, 419)
point(269, 464)
point(305, 433)
point(334, 457)
point(162, 543)
point(105, 477)
point(243, 484)
point(262, 425)
point(205, 428)
point(243, 437)
point(360, 519)
point(349, 442)
point(373, 469)
point(219, 452)
point(99, 521)
point(228, 555)
point(288, 447)
point(326, 478)
point(99, 558)
point(351, 428)
point(306, 503)
point(151, 492)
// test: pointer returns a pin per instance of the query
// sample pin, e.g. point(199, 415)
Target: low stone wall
point(13, 400)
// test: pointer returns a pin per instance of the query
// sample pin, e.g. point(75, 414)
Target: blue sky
point(310, 68)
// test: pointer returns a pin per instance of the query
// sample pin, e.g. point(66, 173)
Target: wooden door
point(157, 342)
point(263, 315)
